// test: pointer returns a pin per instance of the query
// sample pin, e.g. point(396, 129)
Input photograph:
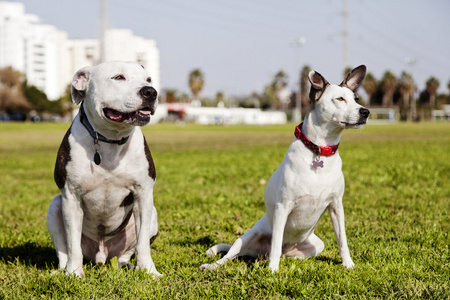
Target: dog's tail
point(218, 249)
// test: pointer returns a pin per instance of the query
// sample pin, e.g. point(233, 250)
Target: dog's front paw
point(156, 274)
point(77, 272)
point(348, 264)
point(150, 270)
point(273, 269)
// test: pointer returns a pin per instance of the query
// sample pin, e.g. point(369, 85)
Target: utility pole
point(411, 61)
point(345, 62)
point(297, 115)
point(104, 24)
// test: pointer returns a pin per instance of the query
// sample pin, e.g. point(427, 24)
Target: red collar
point(318, 150)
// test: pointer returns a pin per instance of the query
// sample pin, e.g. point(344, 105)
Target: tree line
point(18, 97)
point(388, 92)
point(20, 100)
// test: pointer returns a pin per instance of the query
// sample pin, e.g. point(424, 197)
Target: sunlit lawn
point(210, 185)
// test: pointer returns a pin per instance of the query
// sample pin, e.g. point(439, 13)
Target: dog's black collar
point(95, 135)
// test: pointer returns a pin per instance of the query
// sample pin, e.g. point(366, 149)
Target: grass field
point(209, 189)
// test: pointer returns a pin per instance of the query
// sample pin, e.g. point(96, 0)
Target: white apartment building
point(49, 59)
point(32, 48)
point(119, 44)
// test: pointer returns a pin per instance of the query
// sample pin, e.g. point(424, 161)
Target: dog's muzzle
point(139, 117)
point(362, 120)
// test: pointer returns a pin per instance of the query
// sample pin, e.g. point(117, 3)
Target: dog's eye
point(356, 99)
point(341, 99)
point(149, 80)
point(118, 77)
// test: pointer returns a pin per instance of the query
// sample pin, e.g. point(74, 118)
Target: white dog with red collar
point(308, 182)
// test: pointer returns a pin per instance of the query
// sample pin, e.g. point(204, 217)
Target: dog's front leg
point(73, 224)
point(144, 213)
point(279, 222)
point(336, 211)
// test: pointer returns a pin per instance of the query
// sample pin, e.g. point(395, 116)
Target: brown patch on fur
point(62, 158)
point(151, 165)
point(316, 93)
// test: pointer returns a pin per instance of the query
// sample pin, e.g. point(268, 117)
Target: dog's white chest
point(306, 191)
point(106, 191)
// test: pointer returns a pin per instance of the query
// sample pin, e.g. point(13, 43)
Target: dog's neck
point(104, 134)
point(320, 133)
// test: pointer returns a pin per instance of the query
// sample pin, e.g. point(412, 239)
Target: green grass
point(210, 187)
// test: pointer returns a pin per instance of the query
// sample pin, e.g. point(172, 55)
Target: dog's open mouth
point(141, 115)
point(354, 125)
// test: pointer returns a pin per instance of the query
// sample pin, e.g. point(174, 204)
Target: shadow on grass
point(328, 260)
point(250, 260)
point(30, 254)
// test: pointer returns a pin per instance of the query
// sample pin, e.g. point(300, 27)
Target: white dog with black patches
point(308, 182)
point(105, 172)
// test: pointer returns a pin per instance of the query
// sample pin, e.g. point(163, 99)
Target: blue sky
point(240, 44)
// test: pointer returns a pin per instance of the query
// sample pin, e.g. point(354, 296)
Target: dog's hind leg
point(219, 248)
point(254, 242)
point(55, 225)
point(123, 260)
point(311, 247)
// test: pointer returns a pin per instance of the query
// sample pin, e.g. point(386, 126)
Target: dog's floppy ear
point(355, 78)
point(318, 85)
point(79, 84)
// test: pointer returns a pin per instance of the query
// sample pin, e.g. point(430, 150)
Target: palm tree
point(171, 95)
point(427, 97)
point(432, 86)
point(388, 86)
point(196, 82)
point(406, 88)
point(271, 91)
point(370, 85)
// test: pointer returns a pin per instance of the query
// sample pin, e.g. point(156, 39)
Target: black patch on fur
point(62, 158)
point(153, 238)
point(128, 200)
point(151, 165)
point(101, 230)
point(122, 226)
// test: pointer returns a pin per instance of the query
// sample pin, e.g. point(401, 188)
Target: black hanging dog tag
point(97, 158)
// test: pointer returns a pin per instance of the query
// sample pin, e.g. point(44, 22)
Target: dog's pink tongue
point(144, 112)
point(114, 115)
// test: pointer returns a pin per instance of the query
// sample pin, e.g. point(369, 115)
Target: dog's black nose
point(148, 93)
point(364, 112)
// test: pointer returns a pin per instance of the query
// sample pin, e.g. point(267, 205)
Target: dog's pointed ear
point(318, 85)
point(355, 78)
point(79, 84)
